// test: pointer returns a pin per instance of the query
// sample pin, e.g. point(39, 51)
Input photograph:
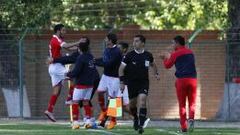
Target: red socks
point(88, 111)
point(52, 103)
point(75, 112)
point(101, 101)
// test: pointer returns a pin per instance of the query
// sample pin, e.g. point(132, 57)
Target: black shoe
point(183, 130)
point(103, 122)
point(191, 125)
point(135, 124)
point(140, 130)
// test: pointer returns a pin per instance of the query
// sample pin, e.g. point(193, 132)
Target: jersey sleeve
point(151, 59)
point(169, 62)
point(77, 68)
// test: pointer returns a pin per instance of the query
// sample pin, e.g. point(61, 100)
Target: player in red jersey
point(186, 83)
point(57, 71)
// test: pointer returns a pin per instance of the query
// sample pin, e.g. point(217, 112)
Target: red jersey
point(55, 47)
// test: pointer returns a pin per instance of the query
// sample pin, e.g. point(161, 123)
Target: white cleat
point(75, 125)
point(50, 116)
point(146, 122)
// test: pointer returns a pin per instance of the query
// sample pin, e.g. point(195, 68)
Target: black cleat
point(182, 130)
point(140, 130)
point(191, 125)
point(135, 124)
point(103, 122)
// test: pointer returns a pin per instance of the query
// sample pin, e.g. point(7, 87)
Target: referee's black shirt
point(137, 65)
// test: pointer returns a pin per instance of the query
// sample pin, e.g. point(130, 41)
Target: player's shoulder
point(131, 53)
point(54, 40)
point(147, 53)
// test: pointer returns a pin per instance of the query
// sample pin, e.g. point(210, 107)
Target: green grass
point(63, 129)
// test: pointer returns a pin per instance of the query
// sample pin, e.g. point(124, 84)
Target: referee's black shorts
point(136, 87)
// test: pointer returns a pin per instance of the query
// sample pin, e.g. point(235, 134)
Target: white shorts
point(82, 94)
point(125, 96)
point(111, 85)
point(57, 73)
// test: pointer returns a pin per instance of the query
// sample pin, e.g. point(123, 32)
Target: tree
point(99, 14)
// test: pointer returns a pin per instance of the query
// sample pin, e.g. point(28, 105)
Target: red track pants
point(186, 88)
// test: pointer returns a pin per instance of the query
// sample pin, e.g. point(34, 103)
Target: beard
point(61, 35)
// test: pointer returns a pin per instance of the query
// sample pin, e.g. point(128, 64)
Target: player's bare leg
point(70, 94)
point(103, 113)
point(134, 111)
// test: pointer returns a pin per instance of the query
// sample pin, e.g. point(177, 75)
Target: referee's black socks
point(134, 112)
point(142, 116)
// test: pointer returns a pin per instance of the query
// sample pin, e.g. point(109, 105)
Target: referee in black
point(137, 63)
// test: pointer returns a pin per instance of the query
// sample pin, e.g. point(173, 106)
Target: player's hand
point(164, 55)
point(170, 48)
point(49, 60)
point(122, 86)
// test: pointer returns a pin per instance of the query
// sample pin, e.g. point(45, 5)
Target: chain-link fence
point(25, 68)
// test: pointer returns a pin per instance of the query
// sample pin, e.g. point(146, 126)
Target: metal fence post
point(20, 64)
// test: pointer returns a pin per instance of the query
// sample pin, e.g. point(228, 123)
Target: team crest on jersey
point(91, 64)
point(147, 63)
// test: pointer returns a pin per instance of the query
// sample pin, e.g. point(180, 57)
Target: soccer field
point(65, 129)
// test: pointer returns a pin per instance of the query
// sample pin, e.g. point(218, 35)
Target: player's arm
point(169, 60)
point(77, 68)
point(69, 45)
point(121, 75)
point(155, 70)
point(67, 59)
point(154, 66)
point(73, 48)
point(99, 62)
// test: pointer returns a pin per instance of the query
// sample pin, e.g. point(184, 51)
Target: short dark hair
point(58, 27)
point(124, 45)
point(141, 37)
point(84, 47)
point(179, 39)
point(112, 37)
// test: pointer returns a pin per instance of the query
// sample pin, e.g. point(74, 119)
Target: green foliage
point(100, 14)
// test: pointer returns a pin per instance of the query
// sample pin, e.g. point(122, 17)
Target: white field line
point(36, 131)
point(167, 131)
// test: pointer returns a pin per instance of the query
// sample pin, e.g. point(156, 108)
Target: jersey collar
point(138, 51)
point(59, 39)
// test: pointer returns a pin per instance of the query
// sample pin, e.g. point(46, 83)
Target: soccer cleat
point(88, 123)
point(146, 122)
point(50, 116)
point(102, 123)
point(75, 125)
point(182, 131)
point(111, 125)
point(102, 116)
point(140, 130)
point(191, 125)
point(135, 124)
